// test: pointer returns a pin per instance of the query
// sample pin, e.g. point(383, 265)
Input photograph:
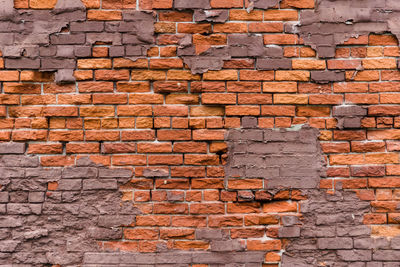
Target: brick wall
point(200, 133)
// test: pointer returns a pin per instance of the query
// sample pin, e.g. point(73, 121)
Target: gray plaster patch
point(263, 4)
point(41, 225)
point(284, 158)
point(330, 230)
point(333, 22)
point(52, 40)
point(349, 116)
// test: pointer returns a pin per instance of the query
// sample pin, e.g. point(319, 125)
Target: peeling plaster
point(56, 215)
point(333, 22)
point(53, 40)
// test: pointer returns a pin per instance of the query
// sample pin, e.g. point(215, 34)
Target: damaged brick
point(58, 225)
point(349, 116)
point(26, 32)
point(332, 23)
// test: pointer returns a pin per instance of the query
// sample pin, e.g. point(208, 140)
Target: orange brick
point(290, 99)
point(223, 221)
point(166, 63)
point(179, 75)
point(365, 75)
point(97, 111)
point(346, 159)
point(221, 75)
point(325, 99)
point(265, 27)
point(375, 219)
point(21, 4)
point(208, 134)
point(281, 87)
point(313, 111)
point(191, 245)
point(294, 75)
point(368, 146)
point(212, 39)
point(242, 110)
point(111, 75)
point(350, 87)
point(77, 148)
point(133, 87)
point(21, 88)
point(170, 111)
point(104, 15)
point(215, 98)
point(230, 28)
point(42, 4)
point(385, 63)
point(381, 158)
point(44, 148)
point(280, 206)
point(281, 39)
point(226, 3)
point(382, 40)
point(194, 28)
point(264, 245)
point(278, 110)
point(257, 99)
point(337, 64)
point(297, 3)
point(240, 14)
point(9, 76)
point(362, 98)
point(139, 233)
point(166, 135)
point(305, 64)
point(57, 161)
point(169, 51)
point(127, 63)
point(280, 15)
point(175, 16)
point(94, 63)
point(193, 159)
point(256, 75)
point(204, 111)
point(110, 99)
point(241, 87)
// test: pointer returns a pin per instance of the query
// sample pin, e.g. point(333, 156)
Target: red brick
point(215, 98)
point(218, 221)
point(277, 110)
point(76, 148)
point(264, 245)
point(139, 233)
point(104, 15)
point(281, 39)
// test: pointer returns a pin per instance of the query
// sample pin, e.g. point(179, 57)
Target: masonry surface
point(201, 133)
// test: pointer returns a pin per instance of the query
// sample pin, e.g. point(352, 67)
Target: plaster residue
point(330, 23)
point(333, 22)
point(238, 46)
point(56, 215)
point(329, 231)
point(263, 4)
point(285, 159)
point(349, 116)
point(52, 40)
